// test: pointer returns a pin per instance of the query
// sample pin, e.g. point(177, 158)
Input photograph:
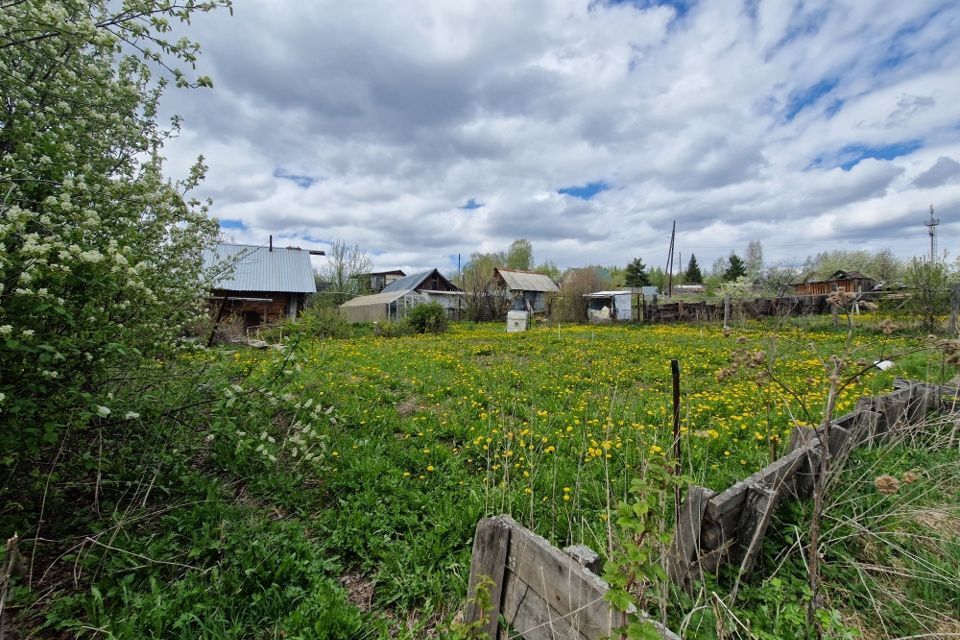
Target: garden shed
point(401, 295)
point(610, 306)
point(840, 280)
point(529, 291)
point(259, 284)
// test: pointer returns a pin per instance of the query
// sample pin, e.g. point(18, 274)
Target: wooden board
point(490, 545)
point(685, 547)
point(723, 509)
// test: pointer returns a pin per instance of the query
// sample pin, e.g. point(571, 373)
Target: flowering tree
point(100, 255)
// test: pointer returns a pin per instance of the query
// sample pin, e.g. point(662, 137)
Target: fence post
point(490, 544)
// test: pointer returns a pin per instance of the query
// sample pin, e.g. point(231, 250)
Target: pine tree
point(636, 274)
point(736, 269)
point(693, 275)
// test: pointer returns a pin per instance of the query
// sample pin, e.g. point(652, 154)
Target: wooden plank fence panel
point(566, 586)
point(490, 545)
point(530, 617)
point(685, 548)
point(542, 593)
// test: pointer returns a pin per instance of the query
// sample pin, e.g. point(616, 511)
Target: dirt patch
point(359, 590)
point(408, 407)
point(940, 520)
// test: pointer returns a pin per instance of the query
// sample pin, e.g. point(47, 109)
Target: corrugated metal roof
point(607, 294)
point(257, 268)
point(407, 283)
point(384, 297)
point(526, 281)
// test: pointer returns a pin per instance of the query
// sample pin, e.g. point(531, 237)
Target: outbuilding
point(258, 284)
point(610, 306)
point(840, 280)
point(401, 295)
point(529, 291)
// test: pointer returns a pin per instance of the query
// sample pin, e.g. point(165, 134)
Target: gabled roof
point(840, 274)
point(416, 280)
point(516, 280)
point(247, 267)
point(608, 294)
point(384, 297)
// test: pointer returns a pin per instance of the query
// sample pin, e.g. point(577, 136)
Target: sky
point(423, 130)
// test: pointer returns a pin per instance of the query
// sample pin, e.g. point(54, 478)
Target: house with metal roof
point(840, 280)
point(528, 290)
point(401, 295)
point(259, 284)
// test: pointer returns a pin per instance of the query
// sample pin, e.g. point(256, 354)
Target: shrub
point(392, 329)
point(428, 318)
point(319, 322)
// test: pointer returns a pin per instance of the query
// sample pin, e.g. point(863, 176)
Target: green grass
point(375, 457)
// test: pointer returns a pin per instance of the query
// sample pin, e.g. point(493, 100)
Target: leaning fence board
point(734, 521)
point(724, 508)
point(490, 545)
point(541, 593)
point(686, 539)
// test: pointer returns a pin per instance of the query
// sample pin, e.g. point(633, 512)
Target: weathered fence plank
point(685, 548)
point(542, 593)
point(490, 545)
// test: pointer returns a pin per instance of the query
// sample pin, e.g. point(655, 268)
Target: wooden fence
point(538, 591)
point(729, 527)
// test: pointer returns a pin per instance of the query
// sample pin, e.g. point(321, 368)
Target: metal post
point(675, 371)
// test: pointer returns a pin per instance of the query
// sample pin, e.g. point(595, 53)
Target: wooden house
point(401, 295)
point(258, 284)
point(840, 280)
point(528, 290)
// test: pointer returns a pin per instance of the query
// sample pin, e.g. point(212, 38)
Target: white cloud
point(401, 113)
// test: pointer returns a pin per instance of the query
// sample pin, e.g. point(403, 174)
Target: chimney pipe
point(271, 242)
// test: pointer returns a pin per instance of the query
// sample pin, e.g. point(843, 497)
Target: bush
point(428, 318)
point(318, 322)
point(391, 329)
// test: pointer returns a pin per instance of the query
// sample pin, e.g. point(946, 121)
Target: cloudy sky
point(420, 130)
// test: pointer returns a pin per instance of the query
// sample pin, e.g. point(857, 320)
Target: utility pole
point(673, 235)
point(931, 226)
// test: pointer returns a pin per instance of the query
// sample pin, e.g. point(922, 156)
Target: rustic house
point(378, 280)
point(398, 297)
point(849, 281)
point(259, 284)
point(528, 290)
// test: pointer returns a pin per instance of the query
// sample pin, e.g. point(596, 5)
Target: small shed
point(610, 306)
point(528, 290)
point(378, 280)
point(259, 284)
point(840, 280)
point(401, 295)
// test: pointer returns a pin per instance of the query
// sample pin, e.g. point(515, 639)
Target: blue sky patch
point(472, 204)
point(585, 192)
point(302, 181)
point(228, 223)
point(680, 6)
point(800, 100)
point(850, 155)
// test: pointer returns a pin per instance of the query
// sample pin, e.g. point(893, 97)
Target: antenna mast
point(673, 235)
point(931, 226)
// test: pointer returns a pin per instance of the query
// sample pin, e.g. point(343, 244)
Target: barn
point(528, 290)
point(258, 284)
point(401, 295)
point(840, 280)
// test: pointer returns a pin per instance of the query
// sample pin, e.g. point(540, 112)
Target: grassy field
point(348, 475)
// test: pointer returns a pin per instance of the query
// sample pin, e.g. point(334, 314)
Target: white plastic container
point(518, 321)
